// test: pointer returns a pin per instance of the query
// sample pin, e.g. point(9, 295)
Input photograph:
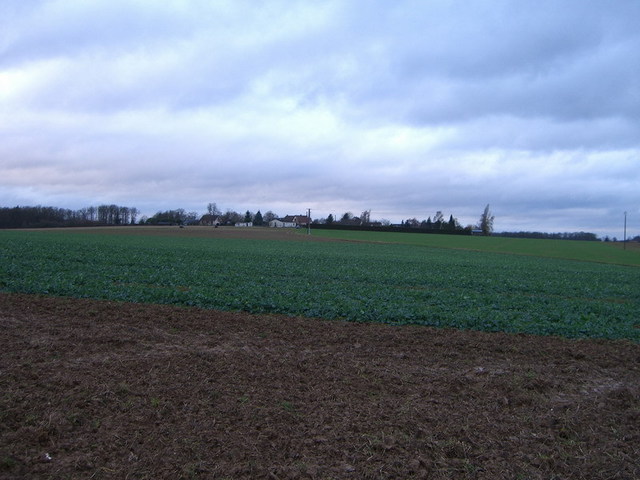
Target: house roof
point(299, 219)
point(208, 218)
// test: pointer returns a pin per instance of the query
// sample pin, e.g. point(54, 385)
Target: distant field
point(416, 280)
point(605, 252)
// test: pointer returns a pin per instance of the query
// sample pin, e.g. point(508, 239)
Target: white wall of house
point(281, 224)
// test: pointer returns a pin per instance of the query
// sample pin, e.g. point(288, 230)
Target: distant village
point(347, 221)
point(216, 218)
point(290, 221)
point(46, 216)
point(105, 215)
point(41, 216)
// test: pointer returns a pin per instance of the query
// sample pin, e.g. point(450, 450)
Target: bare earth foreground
point(95, 389)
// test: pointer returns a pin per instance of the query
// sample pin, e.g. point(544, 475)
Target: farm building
point(296, 220)
point(210, 220)
point(291, 221)
point(277, 223)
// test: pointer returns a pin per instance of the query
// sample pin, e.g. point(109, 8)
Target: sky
point(404, 108)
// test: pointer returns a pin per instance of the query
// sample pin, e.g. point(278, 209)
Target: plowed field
point(92, 389)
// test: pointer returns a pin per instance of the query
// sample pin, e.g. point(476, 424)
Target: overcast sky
point(401, 107)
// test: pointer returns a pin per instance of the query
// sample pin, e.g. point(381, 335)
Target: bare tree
point(231, 217)
point(191, 218)
point(269, 215)
point(212, 209)
point(123, 215)
point(438, 219)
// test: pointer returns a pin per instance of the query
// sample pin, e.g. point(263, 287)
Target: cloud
point(404, 108)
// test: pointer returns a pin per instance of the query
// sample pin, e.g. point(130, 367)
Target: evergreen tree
point(258, 220)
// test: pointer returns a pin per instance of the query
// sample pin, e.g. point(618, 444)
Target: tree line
point(45, 216)
point(231, 217)
point(585, 236)
point(438, 223)
point(364, 220)
point(41, 216)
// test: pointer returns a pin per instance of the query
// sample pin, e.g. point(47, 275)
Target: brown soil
point(95, 390)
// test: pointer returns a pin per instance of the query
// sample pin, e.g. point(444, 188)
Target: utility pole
point(309, 221)
point(624, 239)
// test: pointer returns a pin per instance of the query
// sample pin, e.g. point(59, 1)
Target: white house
point(277, 223)
point(291, 221)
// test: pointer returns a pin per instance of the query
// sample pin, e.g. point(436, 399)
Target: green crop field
point(397, 283)
point(566, 249)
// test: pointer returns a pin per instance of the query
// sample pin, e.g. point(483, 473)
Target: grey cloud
point(544, 134)
point(405, 108)
point(170, 56)
point(495, 60)
point(424, 62)
point(68, 28)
